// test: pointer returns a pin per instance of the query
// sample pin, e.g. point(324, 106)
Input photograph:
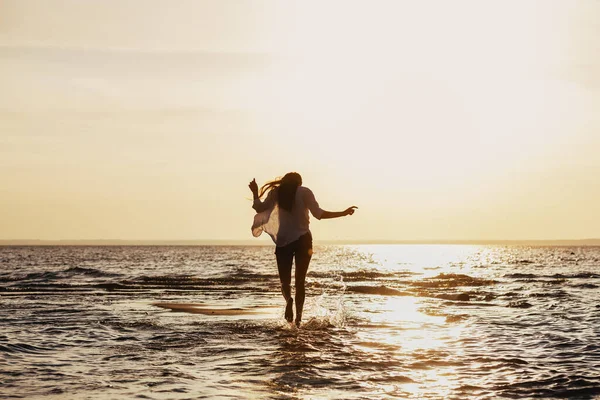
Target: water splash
point(329, 309)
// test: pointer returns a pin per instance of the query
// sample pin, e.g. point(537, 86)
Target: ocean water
point(380, 321)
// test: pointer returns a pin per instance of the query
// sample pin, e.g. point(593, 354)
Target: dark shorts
point(300, 246)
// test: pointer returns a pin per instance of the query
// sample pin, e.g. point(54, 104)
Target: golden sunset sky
point(146, 119)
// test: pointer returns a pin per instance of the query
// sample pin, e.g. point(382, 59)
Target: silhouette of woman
point(284, 216)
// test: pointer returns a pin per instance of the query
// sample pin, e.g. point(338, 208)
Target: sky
point(146, 119)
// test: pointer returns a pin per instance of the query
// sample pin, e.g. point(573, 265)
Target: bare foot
point(289, 310)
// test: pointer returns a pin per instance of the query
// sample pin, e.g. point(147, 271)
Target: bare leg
point(302, 260)
point(284, 265)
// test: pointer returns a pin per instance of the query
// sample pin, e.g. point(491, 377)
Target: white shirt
point(283, 226)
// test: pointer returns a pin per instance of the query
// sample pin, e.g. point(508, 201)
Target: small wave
point(131, 286)
point(21, 348)
point(183, 280)
point(585, 286)
point(317, 324)
point(519, 304)
point(489, 360)
point(456, 318)
point(560, 386)
point(112, 286)
point(363, 275)
point(392, 379)
point(380, 290)
point(64, 274)
point(555, 294)
point(7, 279)
point(449, 317)
point(470, 388)
point(244, 274)
point(513, 361)
point(377, 274)
point(187, 282)
point(522, 276)
point(434, 363)
point(46, 276)
point(581, 275)
point(89, 272)
point(452, 280)
point(456, 297)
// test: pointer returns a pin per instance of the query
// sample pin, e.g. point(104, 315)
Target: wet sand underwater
point(381, 321)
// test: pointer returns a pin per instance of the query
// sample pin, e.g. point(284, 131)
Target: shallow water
point(381, 321)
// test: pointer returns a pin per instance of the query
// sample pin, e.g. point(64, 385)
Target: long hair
point(286, 187)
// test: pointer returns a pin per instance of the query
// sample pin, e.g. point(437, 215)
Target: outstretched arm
point(318, 212)
point(337, 214)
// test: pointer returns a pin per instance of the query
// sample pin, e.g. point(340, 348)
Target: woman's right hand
point(253, 186)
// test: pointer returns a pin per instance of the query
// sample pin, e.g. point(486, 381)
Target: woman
point(284, 216)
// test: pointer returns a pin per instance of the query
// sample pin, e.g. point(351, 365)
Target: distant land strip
point(262, 242)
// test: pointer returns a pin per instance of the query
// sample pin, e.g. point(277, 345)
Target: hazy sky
point(146, 119)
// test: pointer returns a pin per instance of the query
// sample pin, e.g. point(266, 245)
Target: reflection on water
point(380, 322)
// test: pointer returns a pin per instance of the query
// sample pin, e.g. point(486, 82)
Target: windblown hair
point(286, 188)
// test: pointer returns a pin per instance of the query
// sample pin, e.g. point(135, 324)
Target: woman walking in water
point(284, 216)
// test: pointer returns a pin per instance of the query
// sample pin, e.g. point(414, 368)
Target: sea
point(380, 322)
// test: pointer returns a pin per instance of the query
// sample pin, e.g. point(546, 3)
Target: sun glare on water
point(417, 335)
point(418, 327)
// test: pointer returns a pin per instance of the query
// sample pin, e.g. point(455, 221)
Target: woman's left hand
point(350, 210)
